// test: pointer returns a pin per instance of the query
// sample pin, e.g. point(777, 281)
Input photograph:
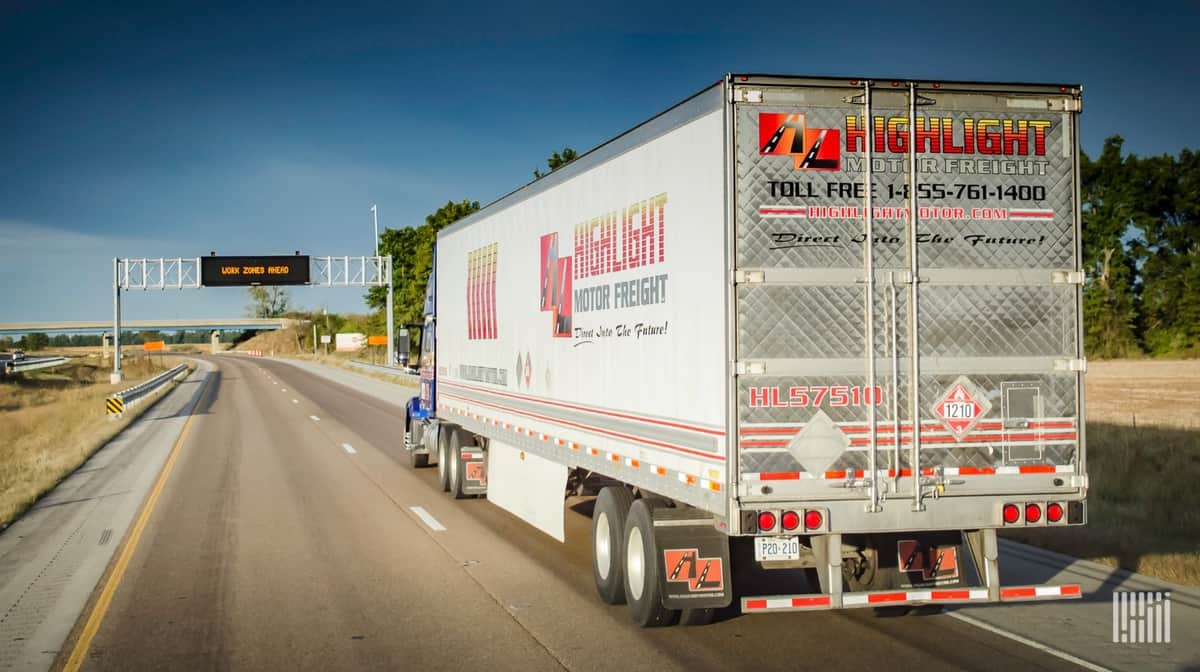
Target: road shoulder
point(52, 558)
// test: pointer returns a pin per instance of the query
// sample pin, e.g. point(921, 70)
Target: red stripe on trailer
point(756, 604)
point(1038, 469)
point(883, 598)
point(586, 409)
point(1006, 593)
point(588, 428)
point(779, 476)
point(951, 595)
point(1071, 589)
point(818, 601)
point(764, 444)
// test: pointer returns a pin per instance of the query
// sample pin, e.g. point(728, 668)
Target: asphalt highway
point(292, 534)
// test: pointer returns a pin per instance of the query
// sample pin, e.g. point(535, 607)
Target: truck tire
point(608, 532)
point(643, 592)
point(443, 457)
point(413, 433)
point(454, 479)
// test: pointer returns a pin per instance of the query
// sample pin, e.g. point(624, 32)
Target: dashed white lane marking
point(429, 520)
point(283, 390)
point(315, 418)
point(349, 448)
point(1027, 642)
point(295, 401)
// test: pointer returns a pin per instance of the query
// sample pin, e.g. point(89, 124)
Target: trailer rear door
point(833, 366)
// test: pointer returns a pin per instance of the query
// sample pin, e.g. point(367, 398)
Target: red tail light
point(1012, 514)
point(813, 520)
point(790, 520)
point(1033, 513)
point(1054, 512)
point(766, 521)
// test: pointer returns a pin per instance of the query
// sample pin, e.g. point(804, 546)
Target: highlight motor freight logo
point(810, 148)
point(555, 283)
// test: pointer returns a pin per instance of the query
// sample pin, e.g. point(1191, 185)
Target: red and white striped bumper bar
point(886, 598)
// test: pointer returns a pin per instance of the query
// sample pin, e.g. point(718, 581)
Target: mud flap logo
point(700, 574)
point(476, 472)
point(935, 563)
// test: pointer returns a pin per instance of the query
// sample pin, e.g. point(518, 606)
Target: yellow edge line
point(114, 579)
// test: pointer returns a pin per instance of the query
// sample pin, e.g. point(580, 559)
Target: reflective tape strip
point(687, 479)
point(1040, 592)
point(914, 596)
point(786, 603)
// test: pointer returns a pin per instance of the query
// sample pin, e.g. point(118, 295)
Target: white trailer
point(780, 314)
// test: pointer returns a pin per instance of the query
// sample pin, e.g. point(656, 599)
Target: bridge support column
point(216, 342)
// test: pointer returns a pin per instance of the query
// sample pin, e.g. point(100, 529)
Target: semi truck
point(824, 325)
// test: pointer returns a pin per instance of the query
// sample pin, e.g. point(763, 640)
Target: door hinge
point(749, 277)
point(1067, 277)
point(751, 368)
point(743, 95)
point(1065, 105)
point(1070, 365)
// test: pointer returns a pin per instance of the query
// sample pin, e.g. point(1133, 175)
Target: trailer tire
point(443, 456)
point(454, 468)
point(608, 533)
point(643, 591)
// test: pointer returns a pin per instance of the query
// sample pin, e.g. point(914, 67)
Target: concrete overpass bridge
point(103, 327)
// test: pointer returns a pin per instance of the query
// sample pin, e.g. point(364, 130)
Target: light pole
point(375, 219)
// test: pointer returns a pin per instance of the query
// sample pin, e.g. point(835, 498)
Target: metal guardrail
point(32, 364)
point(387, 370)
point(117, 403)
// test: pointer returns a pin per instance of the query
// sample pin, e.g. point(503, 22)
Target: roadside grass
point(51, 422)
point(1141, 508)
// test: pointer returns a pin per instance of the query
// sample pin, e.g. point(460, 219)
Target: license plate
point(776, 548)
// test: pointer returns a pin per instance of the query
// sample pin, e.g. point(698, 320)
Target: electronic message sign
point(239, 271)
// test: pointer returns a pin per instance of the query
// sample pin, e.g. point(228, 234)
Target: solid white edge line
point(1027, 642)
point(349, 448)
point(429, 520)
point(314, 418)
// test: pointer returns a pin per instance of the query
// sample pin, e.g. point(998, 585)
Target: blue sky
point(268, 127)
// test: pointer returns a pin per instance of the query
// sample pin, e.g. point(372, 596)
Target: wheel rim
point(635, 563)
point(603, 546)
point(453, 467)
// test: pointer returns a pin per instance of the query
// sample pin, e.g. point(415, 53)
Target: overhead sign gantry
point(245, 271)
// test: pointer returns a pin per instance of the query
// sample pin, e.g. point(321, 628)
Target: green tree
point(412, 261)
point(267, 301)
point(1168, 221)
point(556, 161)
point(35, 342)
point(1109, 306)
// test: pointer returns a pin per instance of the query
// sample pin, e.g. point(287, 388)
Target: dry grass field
point(51, 421)
point(1143, 439)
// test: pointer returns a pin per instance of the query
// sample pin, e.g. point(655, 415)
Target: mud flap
point(474, 466)
point(693, 560)
point(911, 560)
